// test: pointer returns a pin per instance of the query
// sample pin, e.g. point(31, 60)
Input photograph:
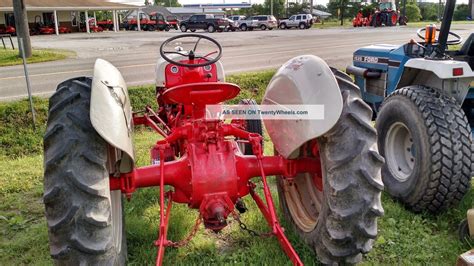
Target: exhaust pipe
point(362, 72)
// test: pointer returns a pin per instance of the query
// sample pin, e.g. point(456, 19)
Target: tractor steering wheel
point(192, 53)
point(457, 38)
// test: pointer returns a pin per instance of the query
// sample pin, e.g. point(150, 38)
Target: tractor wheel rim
point(400, 151)
point(304, 199)
point(116, 209)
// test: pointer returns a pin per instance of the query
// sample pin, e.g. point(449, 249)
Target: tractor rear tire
point(339, 220)
point(252, 126)
point(85, 219)
point(428, 152)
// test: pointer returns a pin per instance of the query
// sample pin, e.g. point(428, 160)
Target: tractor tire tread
point(77, 205)
point(450, 146)
point(347, 222)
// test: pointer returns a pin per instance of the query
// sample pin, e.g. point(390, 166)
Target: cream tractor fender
point(111, 112)
point(303, 80)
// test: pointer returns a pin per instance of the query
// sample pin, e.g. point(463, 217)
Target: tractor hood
point(374, 54)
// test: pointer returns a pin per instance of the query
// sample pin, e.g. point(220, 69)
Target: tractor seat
point(466, 53)
point(201, 93)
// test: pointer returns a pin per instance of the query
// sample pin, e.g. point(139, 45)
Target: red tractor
point(327, 168)
point(385, 14)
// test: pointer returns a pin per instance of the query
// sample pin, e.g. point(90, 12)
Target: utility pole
point(439, 10)
point(471, 9)
point(21, 25)
point(311, 7)
point(271, 7)
point(341, 9)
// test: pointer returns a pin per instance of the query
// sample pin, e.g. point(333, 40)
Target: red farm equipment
point(153, 21)
point(8, 30)
point(328, 169)
point(93, 27)
point(41, 28)
point(173, 21)
point(107, 24)
point(386, 14)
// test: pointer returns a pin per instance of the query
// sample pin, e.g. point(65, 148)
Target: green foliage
point(256, 9)
point(167, 3)
point(17, 136)
point(461, 12)
point(297, 8)
point(429, 11)
point(102, 15)
point(341, 9)
point(278, 8)
point(413, 13)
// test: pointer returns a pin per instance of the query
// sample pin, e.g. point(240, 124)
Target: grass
point(404, 237)
point(9, 57)
point(333, 24)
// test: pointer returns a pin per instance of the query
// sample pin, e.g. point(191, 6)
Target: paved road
point(135, 53)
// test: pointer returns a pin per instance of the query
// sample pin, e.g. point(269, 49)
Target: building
point(67, 14)
point(181, 13)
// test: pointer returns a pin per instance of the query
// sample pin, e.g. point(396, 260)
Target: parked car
point(244, 23)
point(265, 22)
point(233, 25)
point(301, 21)
point(236, 18)
point(204, 22)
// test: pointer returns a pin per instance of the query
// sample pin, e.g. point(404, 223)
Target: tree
point(297, 8)
point(167, 3)
point(321, 8)
point(254, 10)
point(461, 12)
point(341, 9)
point(21, 26)
point(278, 7)
point(413, 12)
point(429, 11)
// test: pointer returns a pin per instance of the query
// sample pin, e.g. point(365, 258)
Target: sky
point(315, 2)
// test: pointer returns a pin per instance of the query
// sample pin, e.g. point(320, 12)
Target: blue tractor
point(422, 95)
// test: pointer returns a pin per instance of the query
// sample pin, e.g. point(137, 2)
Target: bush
point(429, 11)
point(461, 12)
point(413, 13)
